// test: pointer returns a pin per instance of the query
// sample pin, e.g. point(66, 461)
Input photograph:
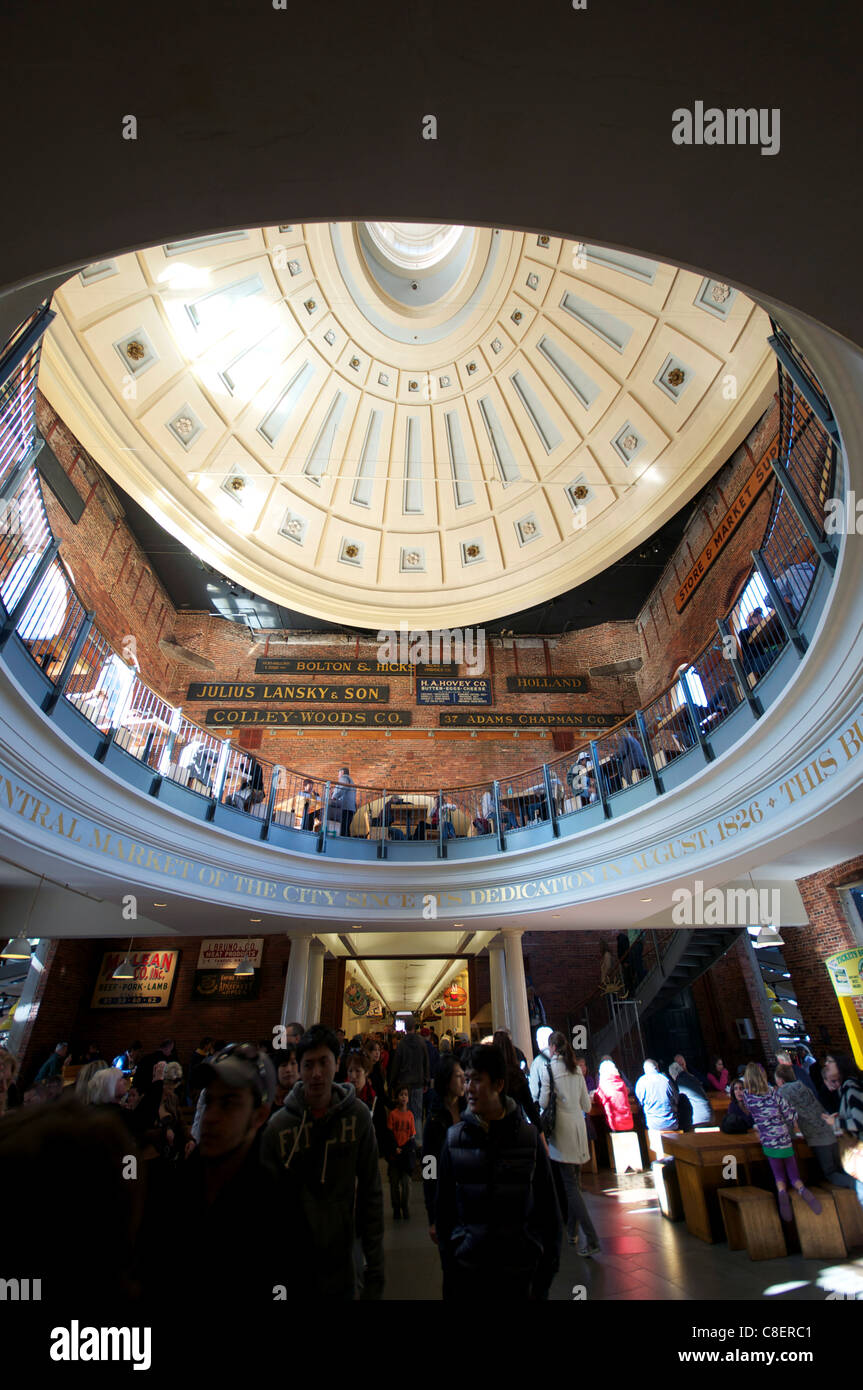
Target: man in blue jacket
point(658, 1098)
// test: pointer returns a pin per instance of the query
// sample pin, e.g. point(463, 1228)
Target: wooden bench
point(624, 1151)
point(820, 1236)
point(591, 1165)
point(848, 1209)
point(655, 1152)
point(751, 1220)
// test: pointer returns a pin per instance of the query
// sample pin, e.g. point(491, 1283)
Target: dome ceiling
point(385, 422)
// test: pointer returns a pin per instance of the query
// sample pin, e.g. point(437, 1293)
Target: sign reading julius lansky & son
point(286, 694)
point(438, 690)
point(288, 666)
point(297, 718)
point(531, 721)
point(525, 685)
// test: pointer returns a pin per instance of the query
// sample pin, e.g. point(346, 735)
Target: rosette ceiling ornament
point(377, 423)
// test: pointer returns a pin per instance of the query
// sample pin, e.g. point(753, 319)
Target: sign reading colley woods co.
point(152, 987)
point(298, 718)
point(525, 685)
point(285, 666)
point(438, 690)
point(743, 502)
point(512, 720)
point(215, 975)
point(287, 694)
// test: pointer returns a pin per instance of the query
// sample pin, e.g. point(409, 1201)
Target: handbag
point(851, 1155)
point(548, 1116)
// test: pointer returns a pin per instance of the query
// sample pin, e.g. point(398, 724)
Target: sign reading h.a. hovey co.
point(215, 974)
point(439, 690)
point(152, 987)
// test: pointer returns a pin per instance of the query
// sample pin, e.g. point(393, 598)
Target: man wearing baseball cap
point(221, 1198)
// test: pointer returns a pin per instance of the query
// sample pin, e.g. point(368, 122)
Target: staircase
point(688, 955)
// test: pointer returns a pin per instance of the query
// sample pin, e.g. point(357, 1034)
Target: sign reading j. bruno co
point(152, 987)
point(297, 718)
point(529, 720)
point(525, 685)
point(437, 690)
point(215, 977)
point(287, 694)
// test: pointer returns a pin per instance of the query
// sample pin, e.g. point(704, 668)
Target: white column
point(497, 975)
point(296, 979)
point(516, 991)
point(312, 1014)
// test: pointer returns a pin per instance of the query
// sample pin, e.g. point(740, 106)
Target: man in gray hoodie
point(322, 1147)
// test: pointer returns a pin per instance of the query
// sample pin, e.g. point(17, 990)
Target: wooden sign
point(287, 666)
point(152, 987)
point(531, 721)
point(743, 502)
point(228, 717)
point(440, 690)
point(525, 685)
point(285, 694)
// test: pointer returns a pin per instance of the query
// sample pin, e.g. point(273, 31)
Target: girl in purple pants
point(774, 1121)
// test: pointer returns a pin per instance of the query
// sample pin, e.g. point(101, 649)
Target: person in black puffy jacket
point(496, 1215)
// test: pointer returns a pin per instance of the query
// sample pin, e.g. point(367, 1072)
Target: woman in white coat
point(567, 1144)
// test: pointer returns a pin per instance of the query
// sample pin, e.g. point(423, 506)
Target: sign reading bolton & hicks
point(743, 502)
point(525, 685)
point(152, 987)
point(287, 666)
point(532, 721)
point(294, 718)
point(286, 694)
point(215, 975)
point(437, 690)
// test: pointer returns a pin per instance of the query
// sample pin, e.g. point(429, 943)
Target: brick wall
point(667, 637)
point(805, 953)
point(65, 1013)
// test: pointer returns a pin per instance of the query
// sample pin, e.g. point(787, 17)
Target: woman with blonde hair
point(774, 1123)
point(107, 1086)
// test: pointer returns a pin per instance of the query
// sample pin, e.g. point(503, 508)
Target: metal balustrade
point(634, 761)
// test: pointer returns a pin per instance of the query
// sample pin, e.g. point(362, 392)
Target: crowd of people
point(270, 1160)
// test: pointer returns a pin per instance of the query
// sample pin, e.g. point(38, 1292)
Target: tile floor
point(644, 1257)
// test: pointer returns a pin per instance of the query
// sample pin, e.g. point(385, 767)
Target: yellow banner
point(846, 972)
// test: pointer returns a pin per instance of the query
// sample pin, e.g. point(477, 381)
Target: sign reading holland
point(525, 685)
point(437, 690)
point(285, 694)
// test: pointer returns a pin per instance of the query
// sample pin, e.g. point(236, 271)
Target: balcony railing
point(39, 603)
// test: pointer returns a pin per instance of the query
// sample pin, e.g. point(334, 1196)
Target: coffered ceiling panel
point(377, 423)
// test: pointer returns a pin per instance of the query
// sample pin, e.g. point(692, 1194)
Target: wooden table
point(700, 1158)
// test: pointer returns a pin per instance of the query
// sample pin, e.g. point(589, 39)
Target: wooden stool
point(848, 1209)
point(667, 1188)
point(751, 1220)
point(624, 1151)
point(820, 1236)
point(655, 1155)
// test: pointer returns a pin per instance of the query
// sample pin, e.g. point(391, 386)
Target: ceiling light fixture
point(125, 970)
point(19, 947)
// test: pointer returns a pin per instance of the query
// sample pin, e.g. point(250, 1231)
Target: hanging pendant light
point(245, 966)
point(19, 947)
point(125, 970)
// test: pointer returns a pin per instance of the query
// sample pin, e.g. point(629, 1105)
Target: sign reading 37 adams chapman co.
point(289, 693)
point(511, 720)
